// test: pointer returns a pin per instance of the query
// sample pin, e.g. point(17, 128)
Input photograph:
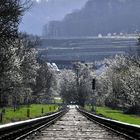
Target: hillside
point(98, 16)
point(43, 11)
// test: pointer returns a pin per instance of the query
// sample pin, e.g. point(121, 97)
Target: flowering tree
point(84, 75)
point(119, 84)
point(10, 14)
point(68, 89)
point(45, 81)
point(76, 85)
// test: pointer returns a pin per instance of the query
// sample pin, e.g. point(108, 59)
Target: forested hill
point(98, 16)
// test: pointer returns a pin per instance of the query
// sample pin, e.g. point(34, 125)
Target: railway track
point(129, 131)
point(74, 126)
point(22, 129)
point(70, 124)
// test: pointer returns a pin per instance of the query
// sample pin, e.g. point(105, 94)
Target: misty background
point(43, 11)
point(113, 17)
point(81, 18)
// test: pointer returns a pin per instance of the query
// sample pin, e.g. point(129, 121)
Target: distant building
point(53, 67)
point(64, 64)
point(100, 35)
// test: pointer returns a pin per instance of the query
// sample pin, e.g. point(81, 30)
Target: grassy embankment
point(116, 115)
point(20, 114)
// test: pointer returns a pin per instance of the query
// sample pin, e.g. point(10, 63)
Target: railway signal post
point(93, 97)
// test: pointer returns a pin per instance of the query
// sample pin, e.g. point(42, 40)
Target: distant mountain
point(42, 11)
point(98, 16)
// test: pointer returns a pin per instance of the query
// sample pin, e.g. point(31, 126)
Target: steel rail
point(22, 129)
point(131, 132)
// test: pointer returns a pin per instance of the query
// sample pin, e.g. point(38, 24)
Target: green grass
point(116, 115)
point(21, 113)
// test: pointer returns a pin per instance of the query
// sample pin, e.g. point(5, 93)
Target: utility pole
point(77, 67)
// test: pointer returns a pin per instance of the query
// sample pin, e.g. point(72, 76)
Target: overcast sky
point(43, 11)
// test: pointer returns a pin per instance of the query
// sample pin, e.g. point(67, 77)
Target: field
point(25, 112)
point(116, 115)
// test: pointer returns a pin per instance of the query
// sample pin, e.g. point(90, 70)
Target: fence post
point(50, 108)
point(1, 116)
point(42, 110)
point(54, 107)
point(28, 112)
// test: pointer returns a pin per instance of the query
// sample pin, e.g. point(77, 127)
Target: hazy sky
point(43, 11)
